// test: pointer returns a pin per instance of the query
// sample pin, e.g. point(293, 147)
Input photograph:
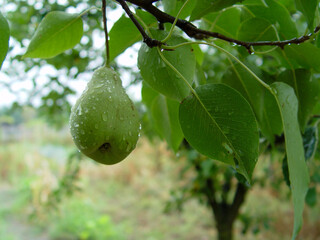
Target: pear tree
point(222, 82)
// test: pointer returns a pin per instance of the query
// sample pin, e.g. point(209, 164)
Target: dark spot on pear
point(104, 147)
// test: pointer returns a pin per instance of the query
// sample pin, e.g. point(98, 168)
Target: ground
point(124, 201)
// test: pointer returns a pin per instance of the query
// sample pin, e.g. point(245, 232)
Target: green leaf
point(298, 172)
point(256, 29)
point(172, 7)
point(308, 9)
point(240, 79)
point(164, 116)
point(57, 32)
point(219, 123)
point(199, 77)
point(225, 22)
point(165, 113)
point(310, 141)
point(307, 90)
point(311, 197)
point(4, 38)
point(198, 53)
point(148, 95)
point(316, 175)
point(305, 55)
point(159, 75)
point(271, 123)
point(285, 171)
point(124, 33)
point(262, 102)
point(204, 7)
point(275, 13)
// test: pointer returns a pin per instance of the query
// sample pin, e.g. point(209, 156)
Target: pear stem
point(104, 16)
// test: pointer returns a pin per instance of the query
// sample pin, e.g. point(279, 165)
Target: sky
point(21, 85)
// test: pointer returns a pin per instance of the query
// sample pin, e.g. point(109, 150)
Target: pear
point(104, 123)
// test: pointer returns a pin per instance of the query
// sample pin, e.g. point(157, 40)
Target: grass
point(124, 201)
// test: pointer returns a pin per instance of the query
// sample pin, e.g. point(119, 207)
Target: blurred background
point(48, 190)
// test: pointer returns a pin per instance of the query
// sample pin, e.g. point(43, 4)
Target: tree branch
point(210, 192)
point(148, 40)
point(104, 16)
point(238, 199)
point(200, 34)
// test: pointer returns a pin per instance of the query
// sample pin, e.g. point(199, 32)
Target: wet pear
point(104, 123)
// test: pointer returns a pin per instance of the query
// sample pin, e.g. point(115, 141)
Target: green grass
point(120, 202)
point(80, 219)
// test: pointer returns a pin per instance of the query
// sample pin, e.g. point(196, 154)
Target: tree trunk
point(225, 213)
point(224, 218)
point(225, 230)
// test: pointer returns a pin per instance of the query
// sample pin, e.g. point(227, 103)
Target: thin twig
point(200, 34)
point(148, 40)
point(104, 16)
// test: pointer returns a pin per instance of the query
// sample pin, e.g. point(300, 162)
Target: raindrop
point(79, 110)
point(162, 64)
point(104, 116)
point(82, 147)
point(275, 91)
point(99, 85)
point(128, 148)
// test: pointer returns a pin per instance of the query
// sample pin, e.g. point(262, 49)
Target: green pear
point(104, 123)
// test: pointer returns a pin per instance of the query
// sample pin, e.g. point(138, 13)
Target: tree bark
point(225, 230)
point(225, 214)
